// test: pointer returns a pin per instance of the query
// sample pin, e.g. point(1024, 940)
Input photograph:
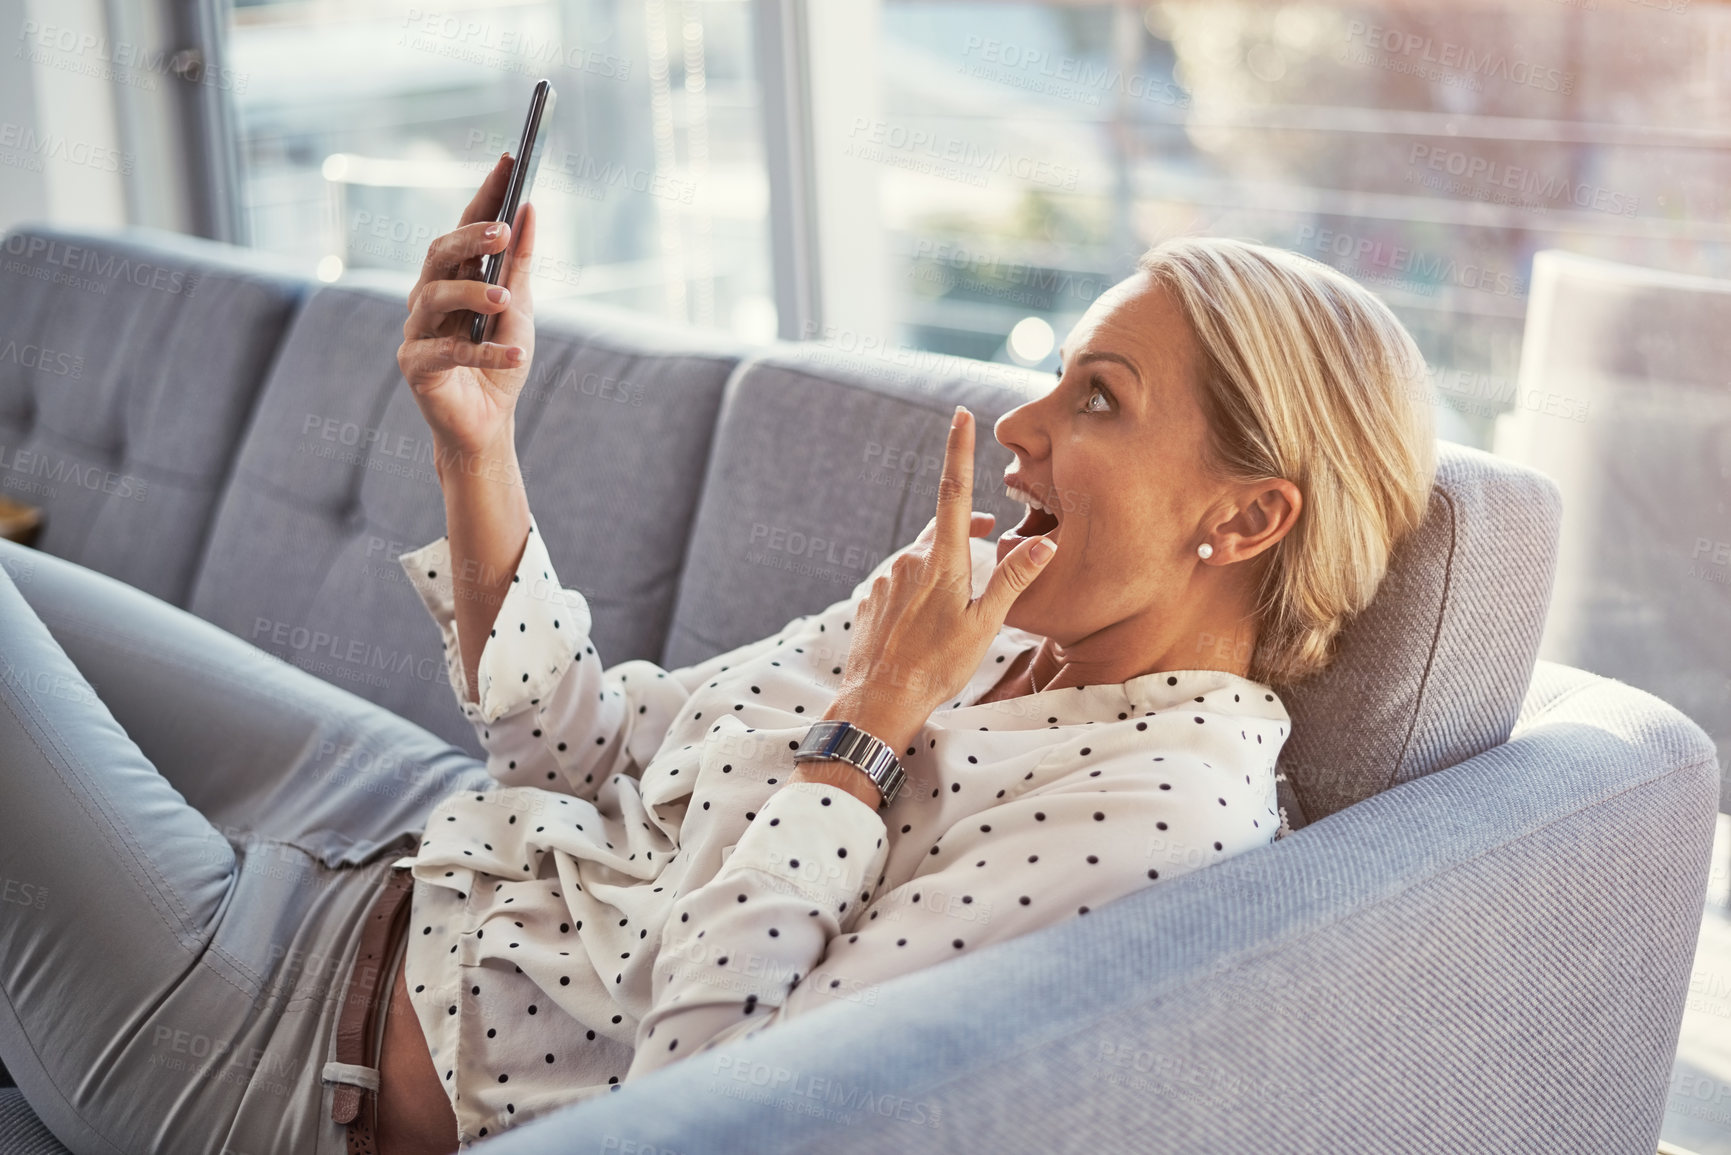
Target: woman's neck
point(1047, 670)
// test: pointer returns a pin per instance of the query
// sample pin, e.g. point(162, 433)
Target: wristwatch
point(847, 742)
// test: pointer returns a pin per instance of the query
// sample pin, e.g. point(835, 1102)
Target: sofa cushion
point(21, 1132)
point(129, 364)
point(336, 477)
point(1435, 671)
point(825, 463)
point(1431, 674)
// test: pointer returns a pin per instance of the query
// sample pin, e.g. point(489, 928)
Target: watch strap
point(840, 739)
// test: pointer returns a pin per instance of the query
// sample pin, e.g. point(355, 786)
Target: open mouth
point(1039, 520)
point(1041, 517)
point(1036, 522)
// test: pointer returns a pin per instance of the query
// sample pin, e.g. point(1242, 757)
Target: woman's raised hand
point(468, 392)
point(920, 633)
point(468, 395)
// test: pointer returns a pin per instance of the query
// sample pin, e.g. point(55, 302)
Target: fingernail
point(514, 354)
point(1042, 550)
point(491, 232)
point(497, 293)
point(956, 421)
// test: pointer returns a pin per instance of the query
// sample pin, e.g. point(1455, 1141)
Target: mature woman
point(1214, 485)
point(1236, 441)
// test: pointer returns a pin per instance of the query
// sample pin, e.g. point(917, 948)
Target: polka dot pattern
point(644, 883)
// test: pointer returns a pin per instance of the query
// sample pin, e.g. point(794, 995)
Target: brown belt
point(356, 1071)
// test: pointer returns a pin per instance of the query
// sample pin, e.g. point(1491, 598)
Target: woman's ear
point(1267, 513)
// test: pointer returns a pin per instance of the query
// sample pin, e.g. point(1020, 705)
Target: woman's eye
point(1093, 392)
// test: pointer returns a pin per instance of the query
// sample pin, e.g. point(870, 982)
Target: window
point(1026, 153)
point(366, 126)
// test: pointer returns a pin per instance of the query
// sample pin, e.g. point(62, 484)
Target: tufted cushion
point(128, 367)
point(824, 463)
point(337, 477)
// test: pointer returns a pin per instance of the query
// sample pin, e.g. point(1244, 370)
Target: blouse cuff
point(539, 627)
point(824, 844)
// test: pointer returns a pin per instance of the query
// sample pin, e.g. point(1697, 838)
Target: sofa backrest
point(129, 364)
point(1435, 670)
point(824, 463)
point(336, 477)
point(699, 503)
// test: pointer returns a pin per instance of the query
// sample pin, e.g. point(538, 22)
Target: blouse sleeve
point(547, 714)
point(1091, 837)
point(735, 947)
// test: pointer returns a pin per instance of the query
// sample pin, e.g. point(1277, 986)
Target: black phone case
point(523, 167)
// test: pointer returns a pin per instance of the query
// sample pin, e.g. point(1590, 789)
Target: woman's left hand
point(920, 634)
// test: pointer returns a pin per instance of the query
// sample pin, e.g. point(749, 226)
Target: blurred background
point(962, 177)
point(1537, 188)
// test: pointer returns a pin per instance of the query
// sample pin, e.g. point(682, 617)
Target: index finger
point(442, 262)
point(956, 490)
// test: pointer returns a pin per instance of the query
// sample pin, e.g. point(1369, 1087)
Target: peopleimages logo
point(54, 467)
point(69, 50)
point(397, 241)
point(1056, 74)
point(1370, 259)
point(950, 157)
point(43, 359)
point(1470, 170)
point(351, 659)
point(582, 173)
point(1418, 51)
point(101, 268)
point(509, 49)
point(36, 147)
point(988, 273)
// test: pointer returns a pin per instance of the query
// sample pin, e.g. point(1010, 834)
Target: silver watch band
point(843, 740)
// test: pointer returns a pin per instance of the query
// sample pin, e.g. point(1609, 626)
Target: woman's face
point(1115, 449)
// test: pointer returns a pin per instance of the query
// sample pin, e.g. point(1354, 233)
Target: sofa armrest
point(1491, 958)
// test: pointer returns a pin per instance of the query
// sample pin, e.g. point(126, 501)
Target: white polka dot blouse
point(644, 883)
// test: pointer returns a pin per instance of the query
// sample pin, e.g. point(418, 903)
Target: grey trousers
point(191, 833)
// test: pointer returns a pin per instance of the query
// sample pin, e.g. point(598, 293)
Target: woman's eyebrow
point(1118, 357)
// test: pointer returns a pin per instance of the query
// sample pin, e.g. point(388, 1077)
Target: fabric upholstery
point(824, 464)
point(1434, 671)
point(1419, 969)
point(337, 477)
point(128, 367)
point(1420, 681)
point(1419, 973)
point(21, 1132)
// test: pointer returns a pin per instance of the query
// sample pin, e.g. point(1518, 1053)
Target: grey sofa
point(1478, 938)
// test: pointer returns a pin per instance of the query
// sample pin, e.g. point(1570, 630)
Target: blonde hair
point(1309, 377)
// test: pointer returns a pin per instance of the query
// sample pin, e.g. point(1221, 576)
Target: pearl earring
point(1204, 551)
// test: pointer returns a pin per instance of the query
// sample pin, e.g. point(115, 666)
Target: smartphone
point(527, 160)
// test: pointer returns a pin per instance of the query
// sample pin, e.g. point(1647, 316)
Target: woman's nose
point(1014, 429)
